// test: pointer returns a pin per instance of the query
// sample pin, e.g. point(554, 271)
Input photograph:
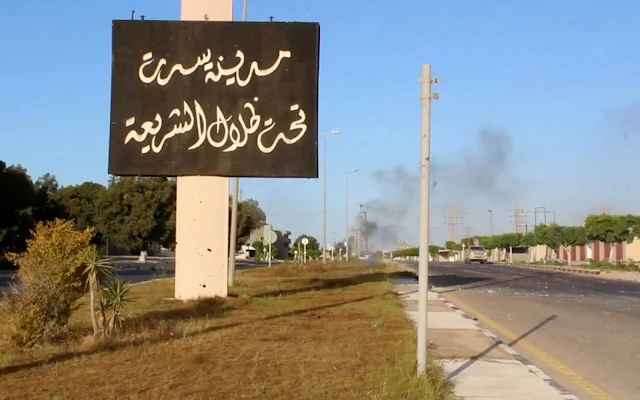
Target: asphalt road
point(583, 331)
point(130, 271)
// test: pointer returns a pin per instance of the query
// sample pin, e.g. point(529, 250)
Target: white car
point(476, 254)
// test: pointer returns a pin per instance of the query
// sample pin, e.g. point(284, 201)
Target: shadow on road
point(478, 356)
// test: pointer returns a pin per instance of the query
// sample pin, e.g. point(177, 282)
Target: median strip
point(560, 268)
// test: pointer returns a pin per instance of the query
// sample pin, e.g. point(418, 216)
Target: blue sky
point(552, 84)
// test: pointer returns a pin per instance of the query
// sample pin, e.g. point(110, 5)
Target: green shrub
point(49, 282)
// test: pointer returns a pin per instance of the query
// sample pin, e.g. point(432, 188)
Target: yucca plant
point(97, 268)
point(114, 297)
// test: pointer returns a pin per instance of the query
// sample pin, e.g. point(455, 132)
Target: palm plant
point(96, 269)
point(114, 297)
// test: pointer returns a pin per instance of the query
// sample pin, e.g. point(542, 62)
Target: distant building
point(404, 245)
point(282, 244)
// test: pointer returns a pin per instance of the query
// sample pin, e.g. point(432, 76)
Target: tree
point(45, 207)
point(81, 204)
point(573, 236)
point(434, 250)
point(250, 217)
point(410, 252)
point(96, 269)
point(529, 239)
point(451, 245)
point(16, 208)
point(312, 245)
point(610, 229)
point(137, 212)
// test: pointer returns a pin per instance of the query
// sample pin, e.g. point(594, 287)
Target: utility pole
point(233, 229)
point(423, 264)
point(552, 213)
point(453, 220)
point(346, 211)
point(356, 237)
point(518, 219)
point(467, 232)
point(235, 196)
point(605, 209)
point(366, 234)
point(324, 196)
point(536, 210)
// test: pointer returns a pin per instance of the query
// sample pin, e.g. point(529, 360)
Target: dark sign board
point(214, 98)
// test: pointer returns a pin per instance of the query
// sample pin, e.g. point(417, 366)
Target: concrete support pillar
point(202, 226)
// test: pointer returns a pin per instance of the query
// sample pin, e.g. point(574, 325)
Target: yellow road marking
point(538, 353)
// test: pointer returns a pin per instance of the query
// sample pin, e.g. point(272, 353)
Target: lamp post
point(233, 228)
point(346, 212)
point(491, 221)
point(324, 196)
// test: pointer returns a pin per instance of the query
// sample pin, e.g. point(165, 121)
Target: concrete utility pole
point(346, 196)
point(366, 234)
point(233, 229)
point(324, 196)
point(423, 263)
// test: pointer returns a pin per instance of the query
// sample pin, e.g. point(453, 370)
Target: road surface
point(583, 331)
point(130, 271)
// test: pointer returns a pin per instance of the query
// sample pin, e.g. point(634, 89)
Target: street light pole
point(491, 221)
point(346, 212)
point(324, 196)
point(233, 229)
point(425, 169)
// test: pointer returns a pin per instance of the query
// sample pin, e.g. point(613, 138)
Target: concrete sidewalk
point(475, 360)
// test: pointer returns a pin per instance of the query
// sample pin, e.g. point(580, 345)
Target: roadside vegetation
point(613, 230)
point(334, 331)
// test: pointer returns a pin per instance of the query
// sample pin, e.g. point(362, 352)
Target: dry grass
point(319, 332)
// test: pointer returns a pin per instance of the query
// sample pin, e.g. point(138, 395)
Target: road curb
point(584, 271)
point(150, 280)
point(512, 352)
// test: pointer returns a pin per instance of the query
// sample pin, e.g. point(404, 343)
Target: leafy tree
point(250, 217)
point(16, 206)
point(81, 204)
point(45, 207)
point(529, 239)
point(312, 245)
point(451, 245)
point(137, 212)
point(410, 252)
point(548, 235)
point(507, 240)
point(610, 229)
point(573, 236)
point(262, 250)
point(434, 250)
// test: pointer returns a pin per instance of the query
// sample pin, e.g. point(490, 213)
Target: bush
point(49, 280)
